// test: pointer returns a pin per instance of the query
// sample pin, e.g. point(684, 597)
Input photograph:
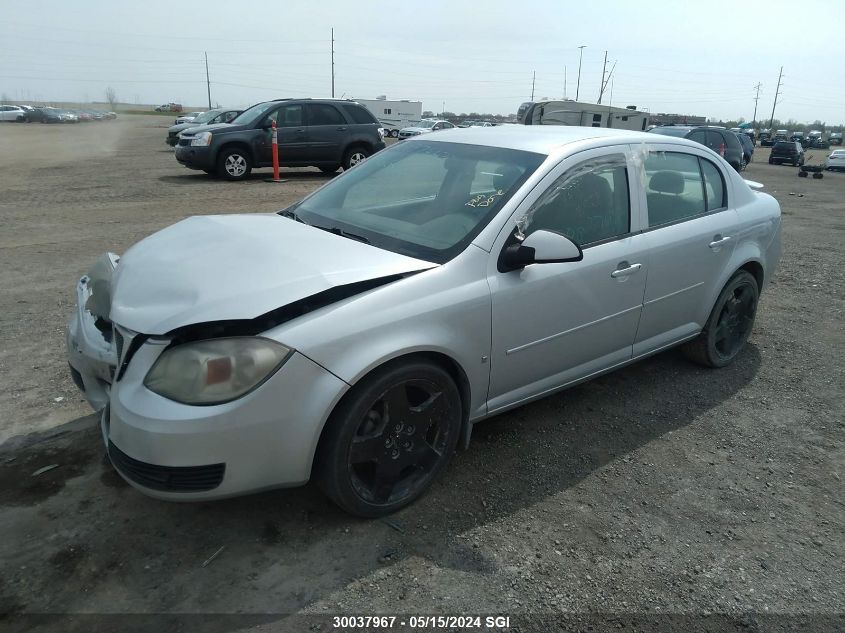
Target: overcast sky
point(701, 58)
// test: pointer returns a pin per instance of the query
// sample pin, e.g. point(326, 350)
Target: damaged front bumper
point(91, 349)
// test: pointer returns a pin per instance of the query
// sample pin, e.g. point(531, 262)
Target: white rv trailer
point(568, 112)
point(394, 115)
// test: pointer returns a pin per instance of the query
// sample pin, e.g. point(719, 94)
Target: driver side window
point(286, 116)
point(588, 204)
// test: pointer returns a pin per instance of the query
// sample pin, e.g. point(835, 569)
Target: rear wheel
point(394, 133)
point(354, 155)
point(234, 164)
point(389, 438)
point(729, 325)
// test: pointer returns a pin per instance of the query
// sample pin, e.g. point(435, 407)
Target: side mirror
point(541, 247)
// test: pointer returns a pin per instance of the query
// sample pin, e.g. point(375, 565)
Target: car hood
point(225, 267)
point(203, 127)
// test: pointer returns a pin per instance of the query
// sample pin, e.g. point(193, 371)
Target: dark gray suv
point(324, 133)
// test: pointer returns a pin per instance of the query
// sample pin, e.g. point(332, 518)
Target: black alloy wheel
point(390, 438)
point(729, 325)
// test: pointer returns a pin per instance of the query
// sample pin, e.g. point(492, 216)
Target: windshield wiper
point(290, 213)
point(339, 231)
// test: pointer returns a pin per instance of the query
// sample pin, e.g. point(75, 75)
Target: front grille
point(184, 142)
point(167, 478)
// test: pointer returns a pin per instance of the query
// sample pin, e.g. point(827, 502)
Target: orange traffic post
point(275, 153)
point(275, 139)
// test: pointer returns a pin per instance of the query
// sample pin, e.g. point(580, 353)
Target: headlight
point(202, 139)
point(215, 370)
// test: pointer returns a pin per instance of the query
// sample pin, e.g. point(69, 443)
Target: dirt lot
point(663, 488)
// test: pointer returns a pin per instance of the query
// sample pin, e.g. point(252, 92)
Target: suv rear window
point(787, 145)
point(359, 114)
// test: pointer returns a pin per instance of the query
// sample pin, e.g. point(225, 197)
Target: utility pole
point(603, 68)
point(756, 99)
point(564, 82)
point(578, 85)
point(533, 78)
point(332, 62)
point(777, 92)
point(207, 81)
point(606, 81)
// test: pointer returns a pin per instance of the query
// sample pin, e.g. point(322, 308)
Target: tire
point(818, 175)
point(354, 155)
point(329, 170)
point(802, 174)
point(371, 465)
point(234, 164)
point(729, 325)
point(394, 133)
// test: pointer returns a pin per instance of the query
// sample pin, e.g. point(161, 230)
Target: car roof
point(541, 139)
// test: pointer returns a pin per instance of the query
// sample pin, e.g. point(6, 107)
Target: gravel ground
point(663, 488)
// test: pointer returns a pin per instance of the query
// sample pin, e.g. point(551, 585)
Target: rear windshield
point(671, 131)
point(784, 145)
point(359, 114)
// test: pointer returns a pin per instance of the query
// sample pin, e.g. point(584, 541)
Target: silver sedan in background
point(359, 335)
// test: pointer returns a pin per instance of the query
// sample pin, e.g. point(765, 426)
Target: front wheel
point(729, 325)
point(389, 438)
point(234, 164)
point(353, 156)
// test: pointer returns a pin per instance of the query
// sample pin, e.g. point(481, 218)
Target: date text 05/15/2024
point(498, 622)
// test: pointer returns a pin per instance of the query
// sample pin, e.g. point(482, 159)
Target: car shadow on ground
point(295, 547)
point(299, 176)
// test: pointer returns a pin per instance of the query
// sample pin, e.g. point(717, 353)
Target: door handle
point(341, 129)
point(718, 241)
point(627, 270)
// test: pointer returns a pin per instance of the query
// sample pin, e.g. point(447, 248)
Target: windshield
point(206, 116)
point(426, 124)
point(427, 200)
point(251, 115)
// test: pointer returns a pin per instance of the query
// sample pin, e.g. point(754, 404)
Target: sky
point(687, 57)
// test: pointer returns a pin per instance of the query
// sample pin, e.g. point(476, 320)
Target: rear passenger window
point(588, 204)
point(324, 114)
point(361, 115)
point(674, 187)
point(714, 186)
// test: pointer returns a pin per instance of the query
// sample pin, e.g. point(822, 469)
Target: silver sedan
point(358, 336)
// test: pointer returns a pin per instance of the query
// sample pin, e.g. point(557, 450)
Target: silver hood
point(224, 267)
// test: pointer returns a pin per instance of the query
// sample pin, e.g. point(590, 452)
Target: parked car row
point(49, 114)
point(721, 140)
point(169, 107)
point(813, 140)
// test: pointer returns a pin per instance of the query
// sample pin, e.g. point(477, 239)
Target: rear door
point(690, 230)
point(327, 129)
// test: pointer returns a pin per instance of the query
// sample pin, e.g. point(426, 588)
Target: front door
point(291, 133)
point(558, 322)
